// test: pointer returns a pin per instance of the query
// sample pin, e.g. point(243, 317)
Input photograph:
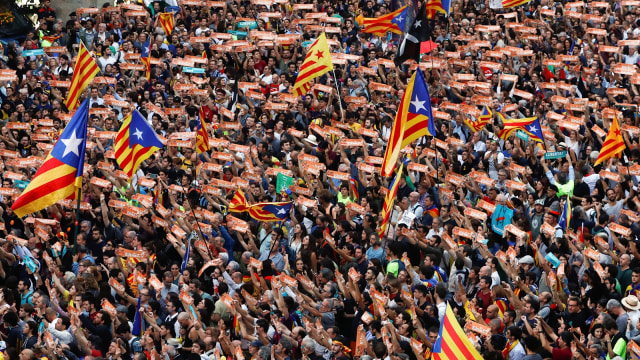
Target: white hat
point(631, 302)
point(312, 139)
point(527, 259)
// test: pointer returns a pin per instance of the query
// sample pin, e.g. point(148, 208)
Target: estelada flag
point(393, 22)
point(60, 175)
point(452, 342)
point(166, 21)
point(136, 141)
point(413, 121)
point(85, 70)
point(316, 63)
point(202, 138)
point(613, 144)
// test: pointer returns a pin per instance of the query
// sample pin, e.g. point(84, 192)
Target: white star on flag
point(418, 23)
point(418, 104)
point(533, 129)
point(138, 133)
point(282, 211)
point(72, 144)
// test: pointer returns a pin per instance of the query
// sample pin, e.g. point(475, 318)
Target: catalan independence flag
point(393, 22)
point(202, 137)
point(513, 3)
point(453, 343)
point(138, 322)
point(437, 6)
point(389, 199)
point(166, 21)
point(60, 175)
point(239, 202)
point(613, 144)
point(530, 126)
point(275, 211)
point(482, 120)
point(565, 219)
point(85, 70)
point(413, 121)
point(135, 142)
point(316, 63)
point(145, 57)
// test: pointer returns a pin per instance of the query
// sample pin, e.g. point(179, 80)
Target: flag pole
point(77, 222)
point(335, 82)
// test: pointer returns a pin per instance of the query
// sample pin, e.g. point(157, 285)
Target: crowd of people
point(532, 245)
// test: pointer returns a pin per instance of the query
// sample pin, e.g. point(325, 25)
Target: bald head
point(485, 271)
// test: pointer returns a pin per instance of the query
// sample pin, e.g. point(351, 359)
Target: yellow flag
point(316, 63)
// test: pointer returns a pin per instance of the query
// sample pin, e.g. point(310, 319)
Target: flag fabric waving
point(202, 138)
point(513, 3)
point(275, 211)
point(613, 144)
point(565, 219)
point(136, 141)
point(145, 57)
point(393, 22)
point(316, 63)
point(166, 21)
point(185, 259)
point(418, 32)
point(239, 202)
point(453, 343)
point(85, 70)
point(530, 126)
point(60, 175)
point(413, 121)
point(138, 322)
point(481, 121)
point(433, 7)
point(389, 199)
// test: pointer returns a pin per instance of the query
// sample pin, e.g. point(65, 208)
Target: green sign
point(283, 182)
point(555, 155)
point(522, 135)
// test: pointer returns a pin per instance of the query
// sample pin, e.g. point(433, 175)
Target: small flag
point(389, 199)
point(316, 63)
point(239, 202)
point(202, 138)
point(530, 126)
point(274, 211)
point(145, 57)
point(413, 121)
point(138, 322)
point(136, 141)
point(513, 3)
point(85, 70)
point(166, 21)
point(391, 22)
point(185, 259)
point(613, 144)
point(418, 32)
point(482, 120)
point(453, 343)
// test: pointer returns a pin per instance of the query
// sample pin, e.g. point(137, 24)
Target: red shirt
point(561, 354)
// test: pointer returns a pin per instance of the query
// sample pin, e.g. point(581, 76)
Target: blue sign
point(35, 52)
point(20, 184)
point(193, 70)
point(501, 218)
point(250, 24)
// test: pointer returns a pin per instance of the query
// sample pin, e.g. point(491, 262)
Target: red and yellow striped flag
point(613, 144)
point(316, 63)
point(513, 3)
point(389, 200)
point(202, 138)
point(85, 70)
point(166, 21)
